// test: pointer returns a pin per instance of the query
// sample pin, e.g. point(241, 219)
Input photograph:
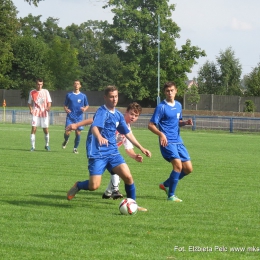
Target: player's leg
point(170, 154)
point(45, 127)
point(32, 138)
point(174, 179)
point(77, 140)
point(186, 162)
point(35, 123)
point(112, 190)
point(123, 171)
point(66, 133)
point(96, 168)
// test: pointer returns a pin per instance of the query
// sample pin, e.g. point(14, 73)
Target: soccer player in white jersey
point(39, 104)
point(131, 115)
point(102, 149)
point(76, 103)
point(166, 122)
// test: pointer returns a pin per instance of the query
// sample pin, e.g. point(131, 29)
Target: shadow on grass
point(36, 203)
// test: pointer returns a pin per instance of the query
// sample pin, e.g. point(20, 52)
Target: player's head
point(133, 111)
point(170, 90)
point(39, 83)
point(76, 84)
point(111, 96)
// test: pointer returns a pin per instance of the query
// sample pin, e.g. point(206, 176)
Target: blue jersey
point(108, 123)
point(75, 102)
point(167, 117)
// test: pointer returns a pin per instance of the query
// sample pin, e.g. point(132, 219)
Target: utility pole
point(158, 88)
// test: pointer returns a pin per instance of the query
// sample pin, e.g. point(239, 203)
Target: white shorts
point(40, 121)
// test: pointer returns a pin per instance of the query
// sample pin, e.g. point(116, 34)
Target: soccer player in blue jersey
point(102, 149)
point(76, 103)
point(165, 123)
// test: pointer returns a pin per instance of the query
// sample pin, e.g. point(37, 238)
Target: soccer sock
point(174, 179)
point(113, 184)
point(47, 139)
point(182, 175)
point(83, 185)
point(76, 141)
point(130, 191)
point(167, 183)
point(33, 140)
point(66, 137)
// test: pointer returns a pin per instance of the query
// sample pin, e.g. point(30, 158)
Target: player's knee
point(128, 179)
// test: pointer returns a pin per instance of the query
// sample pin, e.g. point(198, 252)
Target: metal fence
point(231, 124)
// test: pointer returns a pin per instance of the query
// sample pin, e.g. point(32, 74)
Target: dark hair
point(110, 88)
point(169, 84)
point(134, 106)
point(39, 80)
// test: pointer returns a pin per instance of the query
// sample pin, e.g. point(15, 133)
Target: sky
point(212, 25)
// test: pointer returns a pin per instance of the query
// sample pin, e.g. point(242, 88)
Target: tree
point(33, 2)
point(193, 95)
point(222, 77)
point(31, 57)
point(252, 82)
point(209, 79)
point(63, 63)
point(97, 56)
point(135, 32)
point(230, 70)
point(8, 31)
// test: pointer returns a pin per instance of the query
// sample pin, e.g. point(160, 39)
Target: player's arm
point(48, 108)
point(131, 153)
point(66, 109)
point(187, 122)
point(100, 138)
point(84, 109)
point(133, 140)
point(163, 139)
point(71, 127)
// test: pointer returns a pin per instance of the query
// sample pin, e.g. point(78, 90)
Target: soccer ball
point(128, 207)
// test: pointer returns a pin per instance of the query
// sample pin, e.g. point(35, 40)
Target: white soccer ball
point(128, 207)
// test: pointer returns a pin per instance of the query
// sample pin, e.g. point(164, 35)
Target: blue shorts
point(175, 151)
point(97, 166)
point(70, 121)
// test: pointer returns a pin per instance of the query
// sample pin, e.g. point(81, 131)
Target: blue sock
point(130, 191)
point(182, 175)
point(174, 179)
point(66, 137)
point(167, 183)
point(83, 185)
point(76, 141)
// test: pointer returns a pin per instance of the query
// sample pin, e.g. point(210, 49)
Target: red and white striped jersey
point(39, 101)
point(121, 139)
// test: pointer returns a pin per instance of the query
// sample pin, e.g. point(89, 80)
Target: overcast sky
point(212, 25)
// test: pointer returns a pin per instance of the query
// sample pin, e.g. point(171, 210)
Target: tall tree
point(8, 32)
point(95, 50)
point(231, 70)
point(209, 79)
point(252, 82)
point(135, 31)
point(31, 57)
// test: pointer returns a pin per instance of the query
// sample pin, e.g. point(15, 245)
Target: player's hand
point(163, 140)
point(102, 141)
point(71, 127)
point(189, 122)
point(138, 158)
point(146, 152)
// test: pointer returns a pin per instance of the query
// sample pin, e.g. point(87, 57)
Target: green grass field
point(218, 218)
